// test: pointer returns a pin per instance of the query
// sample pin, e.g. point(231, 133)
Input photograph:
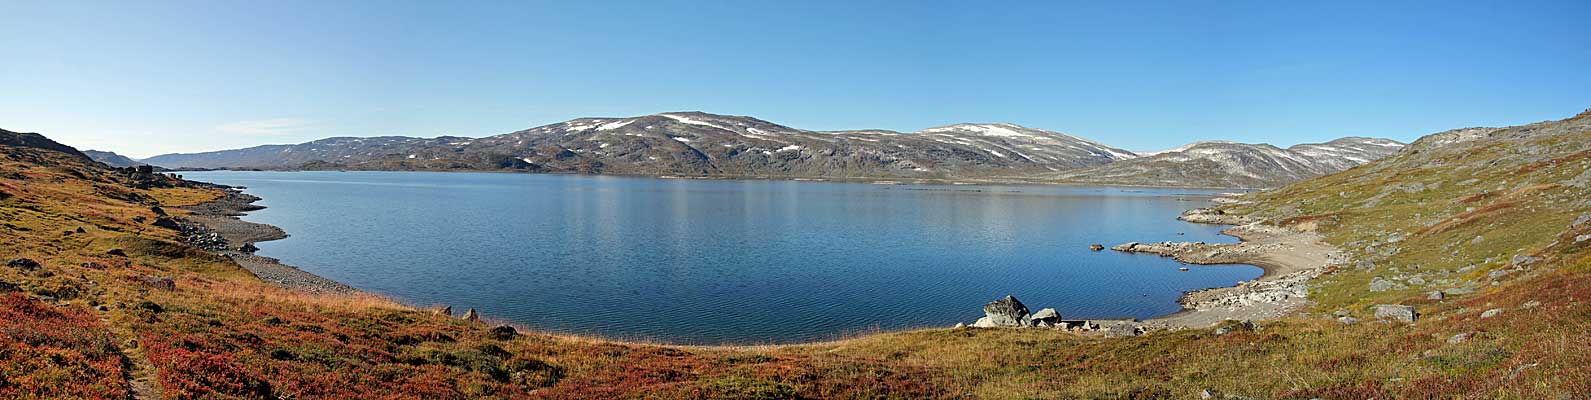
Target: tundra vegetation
point(1485, 232)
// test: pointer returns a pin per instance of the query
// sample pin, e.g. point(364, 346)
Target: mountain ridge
point(693, 143)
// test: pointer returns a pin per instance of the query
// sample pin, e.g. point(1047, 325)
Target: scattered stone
point(1045, 318)
point(1396, 312)
point(959, 326)
point(248, 248)
point(1348, 320)
point(1340, 313)
point(116, 252)
point(1435, 295)
point(8, 287)
point(503, 332)
point(158, 211)
point(1459, 338)
point(81, 230)
point(25, 264)
point(445, 310)
point(1007, 311)
point(1457, 291)
point(1582, 238)
point(1581, 221)
point(471, 316)
point(162, 283)
point(1417, 281)
point(1491, 313)
point(1498, 274)
point(1096, 247)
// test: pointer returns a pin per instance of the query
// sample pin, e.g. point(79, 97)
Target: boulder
point(1007, 311)
point(1123, 329)
point(471, 316)
point(25, 264)
point(959, 326)
point(1378, 284)
point(1348, 320)
point(162, 283)
point(445, 310)
point(81, 230)
point(1396, 312)
point(248, 248)
point(1096, 247)
point(1459, 338)
point(168, 223)
point(503, 332)
point(984, 322)
point(1045, 318)
point(158, 211)
point(1491, 313)
point(1436, 295)
point(116, 252)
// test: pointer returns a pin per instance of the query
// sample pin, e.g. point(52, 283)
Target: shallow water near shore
point(741, 261)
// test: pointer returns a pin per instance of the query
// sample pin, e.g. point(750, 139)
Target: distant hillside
point(692, 143)
point(1238, 165)
point(112, 159)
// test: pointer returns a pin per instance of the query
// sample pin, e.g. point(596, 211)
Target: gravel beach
point(221, 217)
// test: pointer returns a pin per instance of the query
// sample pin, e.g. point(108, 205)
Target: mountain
point(34, 140)
point(112, 159)
point(692, 143)
point(1236, 165)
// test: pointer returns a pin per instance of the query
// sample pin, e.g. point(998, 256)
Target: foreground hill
point(1236, 165)
point(1487, 234)
point(691, 143)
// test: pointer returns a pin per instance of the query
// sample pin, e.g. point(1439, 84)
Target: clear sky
point(145, 78)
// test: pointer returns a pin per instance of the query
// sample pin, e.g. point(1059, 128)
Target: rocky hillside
point(112, 159)
point(1236, 165)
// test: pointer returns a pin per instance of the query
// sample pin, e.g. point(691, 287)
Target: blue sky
point(145, 78)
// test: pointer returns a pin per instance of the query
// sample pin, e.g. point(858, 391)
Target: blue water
point(692, 261)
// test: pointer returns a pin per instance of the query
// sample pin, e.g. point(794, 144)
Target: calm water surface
point(688, 261)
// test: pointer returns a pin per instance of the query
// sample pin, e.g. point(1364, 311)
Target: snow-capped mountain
point(694, 143)
point(1232, 164)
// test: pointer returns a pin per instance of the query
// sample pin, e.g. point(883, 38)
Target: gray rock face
point(1396, 312)
point(1007, 311)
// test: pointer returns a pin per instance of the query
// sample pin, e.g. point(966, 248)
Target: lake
point(730, 261)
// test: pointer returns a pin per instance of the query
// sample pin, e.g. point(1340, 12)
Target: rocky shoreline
point(215, 226)
point(1290, 259)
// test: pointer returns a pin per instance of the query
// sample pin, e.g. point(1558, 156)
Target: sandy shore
point(221, 217)
point(1289, 258)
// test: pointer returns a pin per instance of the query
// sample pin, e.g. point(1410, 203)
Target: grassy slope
point(222, 333)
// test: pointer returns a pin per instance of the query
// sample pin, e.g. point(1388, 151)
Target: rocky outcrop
point(1046, 318)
